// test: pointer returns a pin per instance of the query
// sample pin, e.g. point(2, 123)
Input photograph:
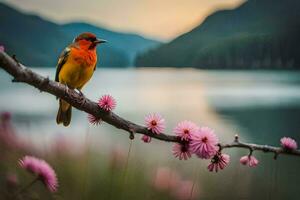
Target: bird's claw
point(82, 99)
point(16, 60)
point(67, 90)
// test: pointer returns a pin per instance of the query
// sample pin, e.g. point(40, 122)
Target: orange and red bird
point(75, 67)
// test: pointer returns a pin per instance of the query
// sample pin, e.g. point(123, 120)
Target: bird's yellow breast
point(78, 69)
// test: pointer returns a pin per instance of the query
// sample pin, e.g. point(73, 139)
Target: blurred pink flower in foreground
point(42, 169)
point(5, 116)
point(146, 138)
point(2, 48)
point(288, 143)
point(64, 146)
point(8, 136)
point(107, 102)
point(219, 161)
point(251, 161)
point(181, 151)
point(166, 178)
point(5, 119)
point(204, 143)
point(185, 129)
point(186, 190)
point(94, 120)
point(117, 158)
point(155, 123)
point(12, 180)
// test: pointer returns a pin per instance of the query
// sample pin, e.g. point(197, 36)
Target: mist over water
point(261, 106)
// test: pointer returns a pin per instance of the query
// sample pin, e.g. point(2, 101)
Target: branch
point(23, 74)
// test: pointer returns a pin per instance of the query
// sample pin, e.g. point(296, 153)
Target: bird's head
point(88, 40)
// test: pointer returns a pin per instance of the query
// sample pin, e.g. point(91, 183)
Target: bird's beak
point(98, 41)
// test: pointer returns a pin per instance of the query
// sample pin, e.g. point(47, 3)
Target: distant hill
point(131, 44)
point(38, 42)
point(257, 34)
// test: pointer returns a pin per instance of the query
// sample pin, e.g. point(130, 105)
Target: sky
point(159, 19)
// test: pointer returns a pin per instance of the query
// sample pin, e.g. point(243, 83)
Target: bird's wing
point(61, 61)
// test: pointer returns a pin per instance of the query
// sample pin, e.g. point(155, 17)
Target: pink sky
point(161, 19)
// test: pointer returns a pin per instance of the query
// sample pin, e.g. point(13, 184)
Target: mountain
point(38, 42)
point(26, 35)
point(257, 34)
point(131, 44)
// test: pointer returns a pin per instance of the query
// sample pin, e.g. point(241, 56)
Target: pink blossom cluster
point(201, 141)
point(107, 103)
point(181, 151)
point(146, 138)
point(186, 129)
point(204, 143)
point(219, 161)
point(154, 123)
point(288, 143)
point(94, 120)
point(251, 161)
point(42, 169)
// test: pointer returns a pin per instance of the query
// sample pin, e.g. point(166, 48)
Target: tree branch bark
point(20, 73)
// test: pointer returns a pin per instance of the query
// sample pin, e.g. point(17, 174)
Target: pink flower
point(219, 161)
point(12, 180)
point(244, 160)
point(185, 129)
point(155, 123)
point(94, 120)
point(5, 116)
point(166, 179)
point(107, 102)
point(30, 163)
point(117, 158)
point(146, 138)
point(181, 151)
point(204, 143)
point(288, 143)
point(42, 169)
point(2, 48)
point(186, 190)
point(251, 161)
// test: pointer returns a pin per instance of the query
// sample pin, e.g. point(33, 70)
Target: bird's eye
point(91, 39)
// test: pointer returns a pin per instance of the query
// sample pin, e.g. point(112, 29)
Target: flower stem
point(194, 182)
point(126, 169)
point(22, 190)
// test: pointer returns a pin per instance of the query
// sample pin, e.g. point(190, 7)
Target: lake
point(260, 106)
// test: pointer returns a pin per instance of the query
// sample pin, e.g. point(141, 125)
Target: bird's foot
point(67, 90)
point(16, 60)
point(82, 99)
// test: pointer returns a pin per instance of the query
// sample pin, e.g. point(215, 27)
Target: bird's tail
point(64, 113)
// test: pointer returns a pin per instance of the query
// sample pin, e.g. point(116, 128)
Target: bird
point(75, 67)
